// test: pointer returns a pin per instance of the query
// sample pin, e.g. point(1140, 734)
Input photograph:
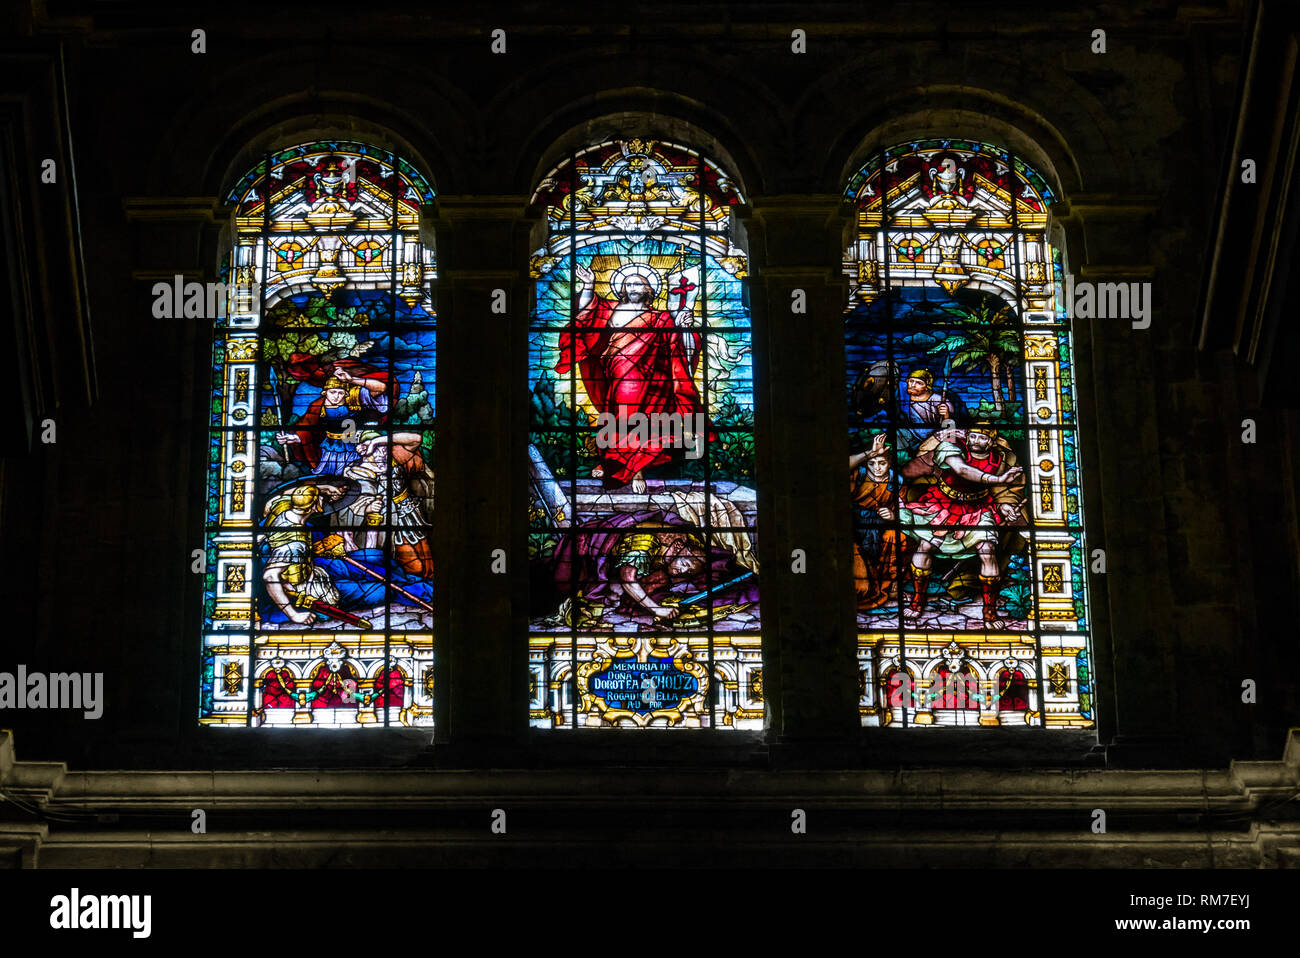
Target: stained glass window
point(969, 553)
point(319, 581)
point(644, 592)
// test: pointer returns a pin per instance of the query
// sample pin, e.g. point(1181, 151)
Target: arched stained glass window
point(319, 581)
point(644, 606)
point(969, 552)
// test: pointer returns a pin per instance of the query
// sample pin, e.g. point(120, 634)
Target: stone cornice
point(1241, 787)
point(1242, 816)
point(171, 209)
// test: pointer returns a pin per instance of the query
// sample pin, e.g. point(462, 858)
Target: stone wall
point(1199, 541)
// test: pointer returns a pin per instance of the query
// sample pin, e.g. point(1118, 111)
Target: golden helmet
point(305, 497)
point(334, 383)
point(924, 375)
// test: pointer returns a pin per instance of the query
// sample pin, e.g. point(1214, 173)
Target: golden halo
point(647, 272)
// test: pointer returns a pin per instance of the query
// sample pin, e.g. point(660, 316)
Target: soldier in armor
point(635, 562)
point(978, 489)
point(321, 436)
point(289, 565)
point(402, 502)
point(926, 411)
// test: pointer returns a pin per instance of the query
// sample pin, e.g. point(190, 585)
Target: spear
point(947, 369)
point(273, 383)
point(396, 588)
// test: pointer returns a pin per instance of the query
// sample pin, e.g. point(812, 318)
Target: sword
point(304, 601)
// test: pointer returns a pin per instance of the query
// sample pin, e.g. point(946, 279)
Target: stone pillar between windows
point(483, 246)
point(797, 243)
point(1124, 499)
point(168, 235)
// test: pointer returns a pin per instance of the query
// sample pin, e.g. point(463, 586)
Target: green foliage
point(731, 413)
point(989, 333)
point(542, 547)
point(1016, 594)
point(1011, 411)
point(311, 343)
point(731, 459)
point(413, 409)
point(546, 411)
point(555, 449)
point(319, 312)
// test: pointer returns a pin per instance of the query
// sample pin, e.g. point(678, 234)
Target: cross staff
point(683, 287)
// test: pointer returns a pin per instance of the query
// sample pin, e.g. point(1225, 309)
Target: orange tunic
point(874, 575)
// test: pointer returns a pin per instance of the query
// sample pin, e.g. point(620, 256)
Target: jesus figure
point(632, 358)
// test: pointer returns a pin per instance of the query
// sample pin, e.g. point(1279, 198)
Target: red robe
point(278, 687)
point(637, 368)
point(1013, 691)
point(391, 686)
point(310, 431)
point(957, 690)
point(332, 690)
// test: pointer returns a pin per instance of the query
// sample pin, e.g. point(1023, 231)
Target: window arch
point(318, 590)
point(644, 600)
point(960, 367)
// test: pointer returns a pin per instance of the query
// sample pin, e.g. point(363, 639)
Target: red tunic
point(637, 368)
point(954, 500)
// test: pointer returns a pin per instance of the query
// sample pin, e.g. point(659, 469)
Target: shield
point(876, 387)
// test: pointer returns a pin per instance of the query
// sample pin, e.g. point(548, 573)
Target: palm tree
point(991, 339)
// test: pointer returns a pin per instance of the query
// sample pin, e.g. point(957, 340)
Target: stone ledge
point(1241, 787)
point(1235, 817)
